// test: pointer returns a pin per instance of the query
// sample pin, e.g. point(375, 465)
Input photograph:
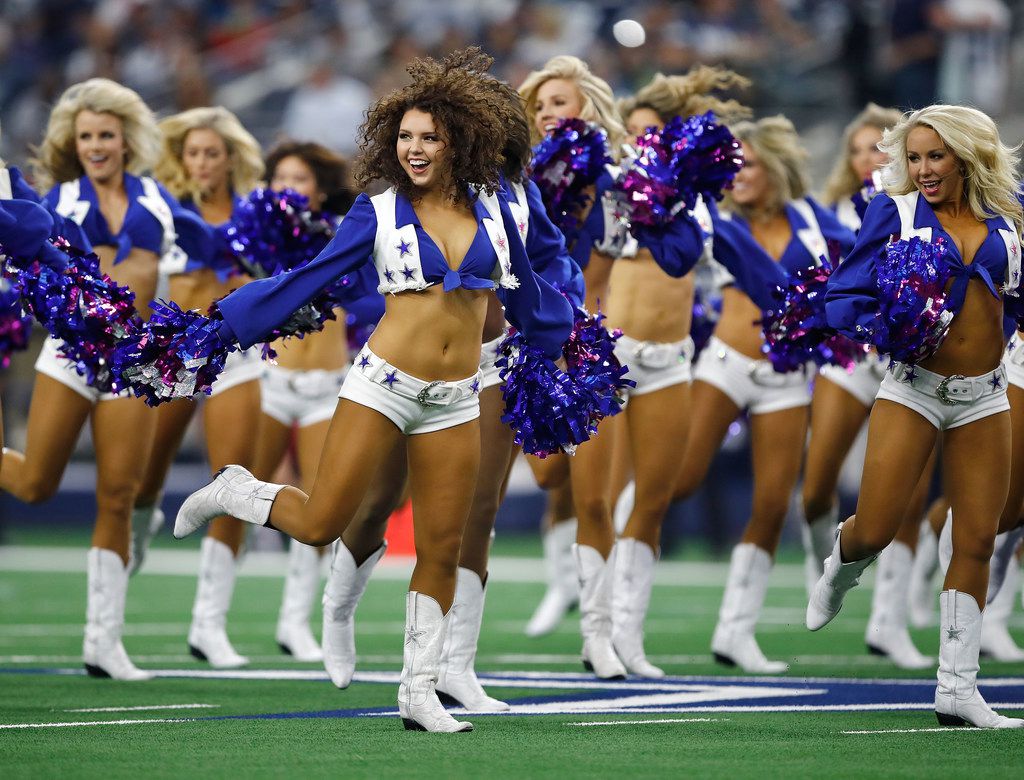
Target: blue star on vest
point(996, 381)
point(389, 275)
point(501, 241)
point(404, 248)
point(364, 362)
point(892, 366)
point(408, 273)
point(911, 376)
point(390, 377)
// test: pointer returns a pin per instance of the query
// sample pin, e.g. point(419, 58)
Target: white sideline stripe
point(149, 707)
point(645, 722)
point(694, 574)
point(916, 731)
point(90, 723)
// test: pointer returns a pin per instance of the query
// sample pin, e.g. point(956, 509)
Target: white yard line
point(89, 723)
point(149, 707)
point(645, 722)
point(914, 731)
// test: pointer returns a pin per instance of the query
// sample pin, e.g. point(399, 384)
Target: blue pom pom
point(176, 355)
point(15, 324)
point(687, 158)
point(569, 159)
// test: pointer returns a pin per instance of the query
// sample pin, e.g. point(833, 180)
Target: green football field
point(838, 713)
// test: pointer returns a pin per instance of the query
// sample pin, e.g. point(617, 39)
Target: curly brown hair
point(329, 168)
point(470, 116)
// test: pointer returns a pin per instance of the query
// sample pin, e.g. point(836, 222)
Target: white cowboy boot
point(631, 594)
point(457, 678)
point(996, 642)
point(102, 651)
point(920, 593)
point(1005, 549)
point(418, 704)
point(301, 585)
point(563, 591)
point(624, 507)
point(827, 597)
point(596, 576)
point(207, 636)
point(957, 699)
point(887, 634)
point(346, 583)
point(818, 535)
point(233, 492)
point(946, 543)
point(733, 643)
point(146, 523)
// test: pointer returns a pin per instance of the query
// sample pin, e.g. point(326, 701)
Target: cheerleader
point(208, 159)
point(949, 179)
point(653, 311)
point(437, 249)
point(840, 405)
point(300, 390)
point(773, 214)
point(362, 542)
point(565, 88)
point(100, 135)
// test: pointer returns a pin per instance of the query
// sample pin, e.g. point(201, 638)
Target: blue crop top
point(388, 233)
point(13, 185)
point(154, 221)
point(25, 226)
point(851, 300)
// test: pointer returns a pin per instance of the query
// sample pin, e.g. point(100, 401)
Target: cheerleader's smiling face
point(421, 149)
point(556, 99)
point(933, 168)
point(640, 119)
point(100, 145)
point(752, 186)
point(293, 173)
point(865, 157)
point(204, 154)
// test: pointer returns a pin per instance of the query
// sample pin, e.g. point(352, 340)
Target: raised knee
point(38, 488)
point(549, 479)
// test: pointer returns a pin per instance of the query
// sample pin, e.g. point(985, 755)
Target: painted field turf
point(825, 718)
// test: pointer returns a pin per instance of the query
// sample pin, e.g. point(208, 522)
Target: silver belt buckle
point(942, 391)
point(423, 396)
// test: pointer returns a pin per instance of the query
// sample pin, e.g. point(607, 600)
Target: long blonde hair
point(989, 166)
point(689, 94)
point(57, 161)
point(842, 182)
point(778, 148)
point(243, 151)
point(598, 103)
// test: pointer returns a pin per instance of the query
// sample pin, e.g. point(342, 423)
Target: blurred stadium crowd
point(308, 69)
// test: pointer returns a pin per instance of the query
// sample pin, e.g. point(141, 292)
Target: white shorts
point(240, 367)
point(301, 398)
point(1013, 361)
point(412, 404)
point(753, 385)
point(863, 382)
point(655, 365)
point(488, 371)
point(946, 402)
point(55, 366)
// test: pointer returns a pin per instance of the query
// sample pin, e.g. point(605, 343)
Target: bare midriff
point(494, 321)
point(737, 327)
point(648, 304)
point(138, 272)
point(432, 334)
point(974, 343)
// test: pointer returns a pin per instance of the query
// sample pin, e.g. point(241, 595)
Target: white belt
point(950, 390)
point(436, 393)
point(657, 354)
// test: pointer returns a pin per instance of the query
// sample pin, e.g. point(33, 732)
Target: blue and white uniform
point(154, 221)
point(385, 230)
point(851, 305)
point(754, 385)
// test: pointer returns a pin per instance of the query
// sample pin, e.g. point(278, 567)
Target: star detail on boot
point(414, 635)
point(953, 634)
